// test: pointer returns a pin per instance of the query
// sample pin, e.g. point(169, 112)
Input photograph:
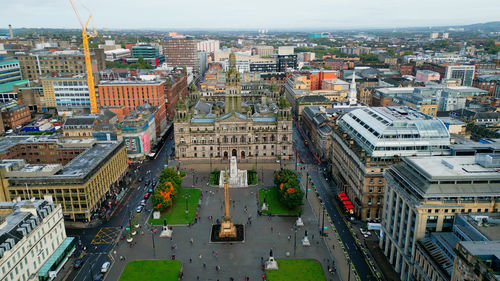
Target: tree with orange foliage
point(289, 188)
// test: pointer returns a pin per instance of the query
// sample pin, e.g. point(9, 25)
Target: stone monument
point(227, 228)
point(166, 232)
point(271, 263)
point(305, 241)
point(237, 178)
point(299, 222)
point(264, 205)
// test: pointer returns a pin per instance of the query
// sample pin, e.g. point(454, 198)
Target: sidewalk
point(345, 270)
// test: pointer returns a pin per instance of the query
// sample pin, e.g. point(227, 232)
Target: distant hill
point(487, 26)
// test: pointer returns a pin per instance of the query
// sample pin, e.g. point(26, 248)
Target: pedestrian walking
point(199, 256)
point(216, 254)
point(190, 260)
point(191, 241)
point(271, 229)
point(213, 253)
point(204, 265)
point(289, 237)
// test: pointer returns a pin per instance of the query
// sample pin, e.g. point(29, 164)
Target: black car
point(78, 263)
point(99, 277)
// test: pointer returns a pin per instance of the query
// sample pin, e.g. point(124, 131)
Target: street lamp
point(307, 183)
point(323, 223)
point(295, 239)
point(349, 265)
point(262, 174)
point(186, 197)
point(153, 237)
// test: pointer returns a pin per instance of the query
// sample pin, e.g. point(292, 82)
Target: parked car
point(139, 209)
point(77, 263)
point(99, 277)
point(143, 202)
point(140, 179)
point(171, 138)
point(146, 196)
point(105, 266)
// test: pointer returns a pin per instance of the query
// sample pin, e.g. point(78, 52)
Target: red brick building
point(125, 96)
point(406, 69)
point(316, 77)
point(14, 115)
point(175, 90)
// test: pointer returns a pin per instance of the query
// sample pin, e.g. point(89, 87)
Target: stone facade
point(216, 128)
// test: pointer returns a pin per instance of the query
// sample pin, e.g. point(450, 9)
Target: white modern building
point(463, 72)
point(33, 242)
point(286, 50)
point(71, 94)
point(208, 46)
point(117, 54)
point(384, 132)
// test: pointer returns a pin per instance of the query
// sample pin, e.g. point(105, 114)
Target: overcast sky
point(249, 14)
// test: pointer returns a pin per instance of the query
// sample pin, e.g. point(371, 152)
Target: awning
point(59, 254)
point(347, 202)
point(344, 198)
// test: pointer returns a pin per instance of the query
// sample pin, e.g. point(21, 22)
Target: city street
point(325, 188)
point(101, 239)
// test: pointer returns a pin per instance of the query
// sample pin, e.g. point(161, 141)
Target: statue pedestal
point(271, 263)
point(305, 242)
point(299, 222)
point(166, 232)
point(227, 228)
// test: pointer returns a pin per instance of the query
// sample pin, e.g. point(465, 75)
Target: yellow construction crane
point(88, 63)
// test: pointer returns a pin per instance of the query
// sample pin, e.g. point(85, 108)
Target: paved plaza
point(235, 260)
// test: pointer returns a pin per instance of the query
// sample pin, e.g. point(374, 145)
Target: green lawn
point(252, 177)
point(291, 270)
point(152, 270)
point(176, 214)
point(214, 178)
point(273, 202)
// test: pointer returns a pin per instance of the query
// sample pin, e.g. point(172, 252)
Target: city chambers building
point(80, 174)
point(259, 127)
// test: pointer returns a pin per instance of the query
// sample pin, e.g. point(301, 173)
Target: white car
point(105, 267)
point(139, 209)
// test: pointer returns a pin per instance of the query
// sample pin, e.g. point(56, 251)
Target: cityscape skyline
point(364, 15)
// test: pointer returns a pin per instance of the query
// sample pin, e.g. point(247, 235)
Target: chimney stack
point(10, 32)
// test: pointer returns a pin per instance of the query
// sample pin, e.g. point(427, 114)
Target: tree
point(134, 220)
point(170, 175)
point(170, 185)
point(193, 88)
point(290, 193)
point(163, 196)
point(368, 58)
point(284, 176)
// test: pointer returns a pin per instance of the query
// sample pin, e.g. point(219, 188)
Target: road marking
point(106, 235)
